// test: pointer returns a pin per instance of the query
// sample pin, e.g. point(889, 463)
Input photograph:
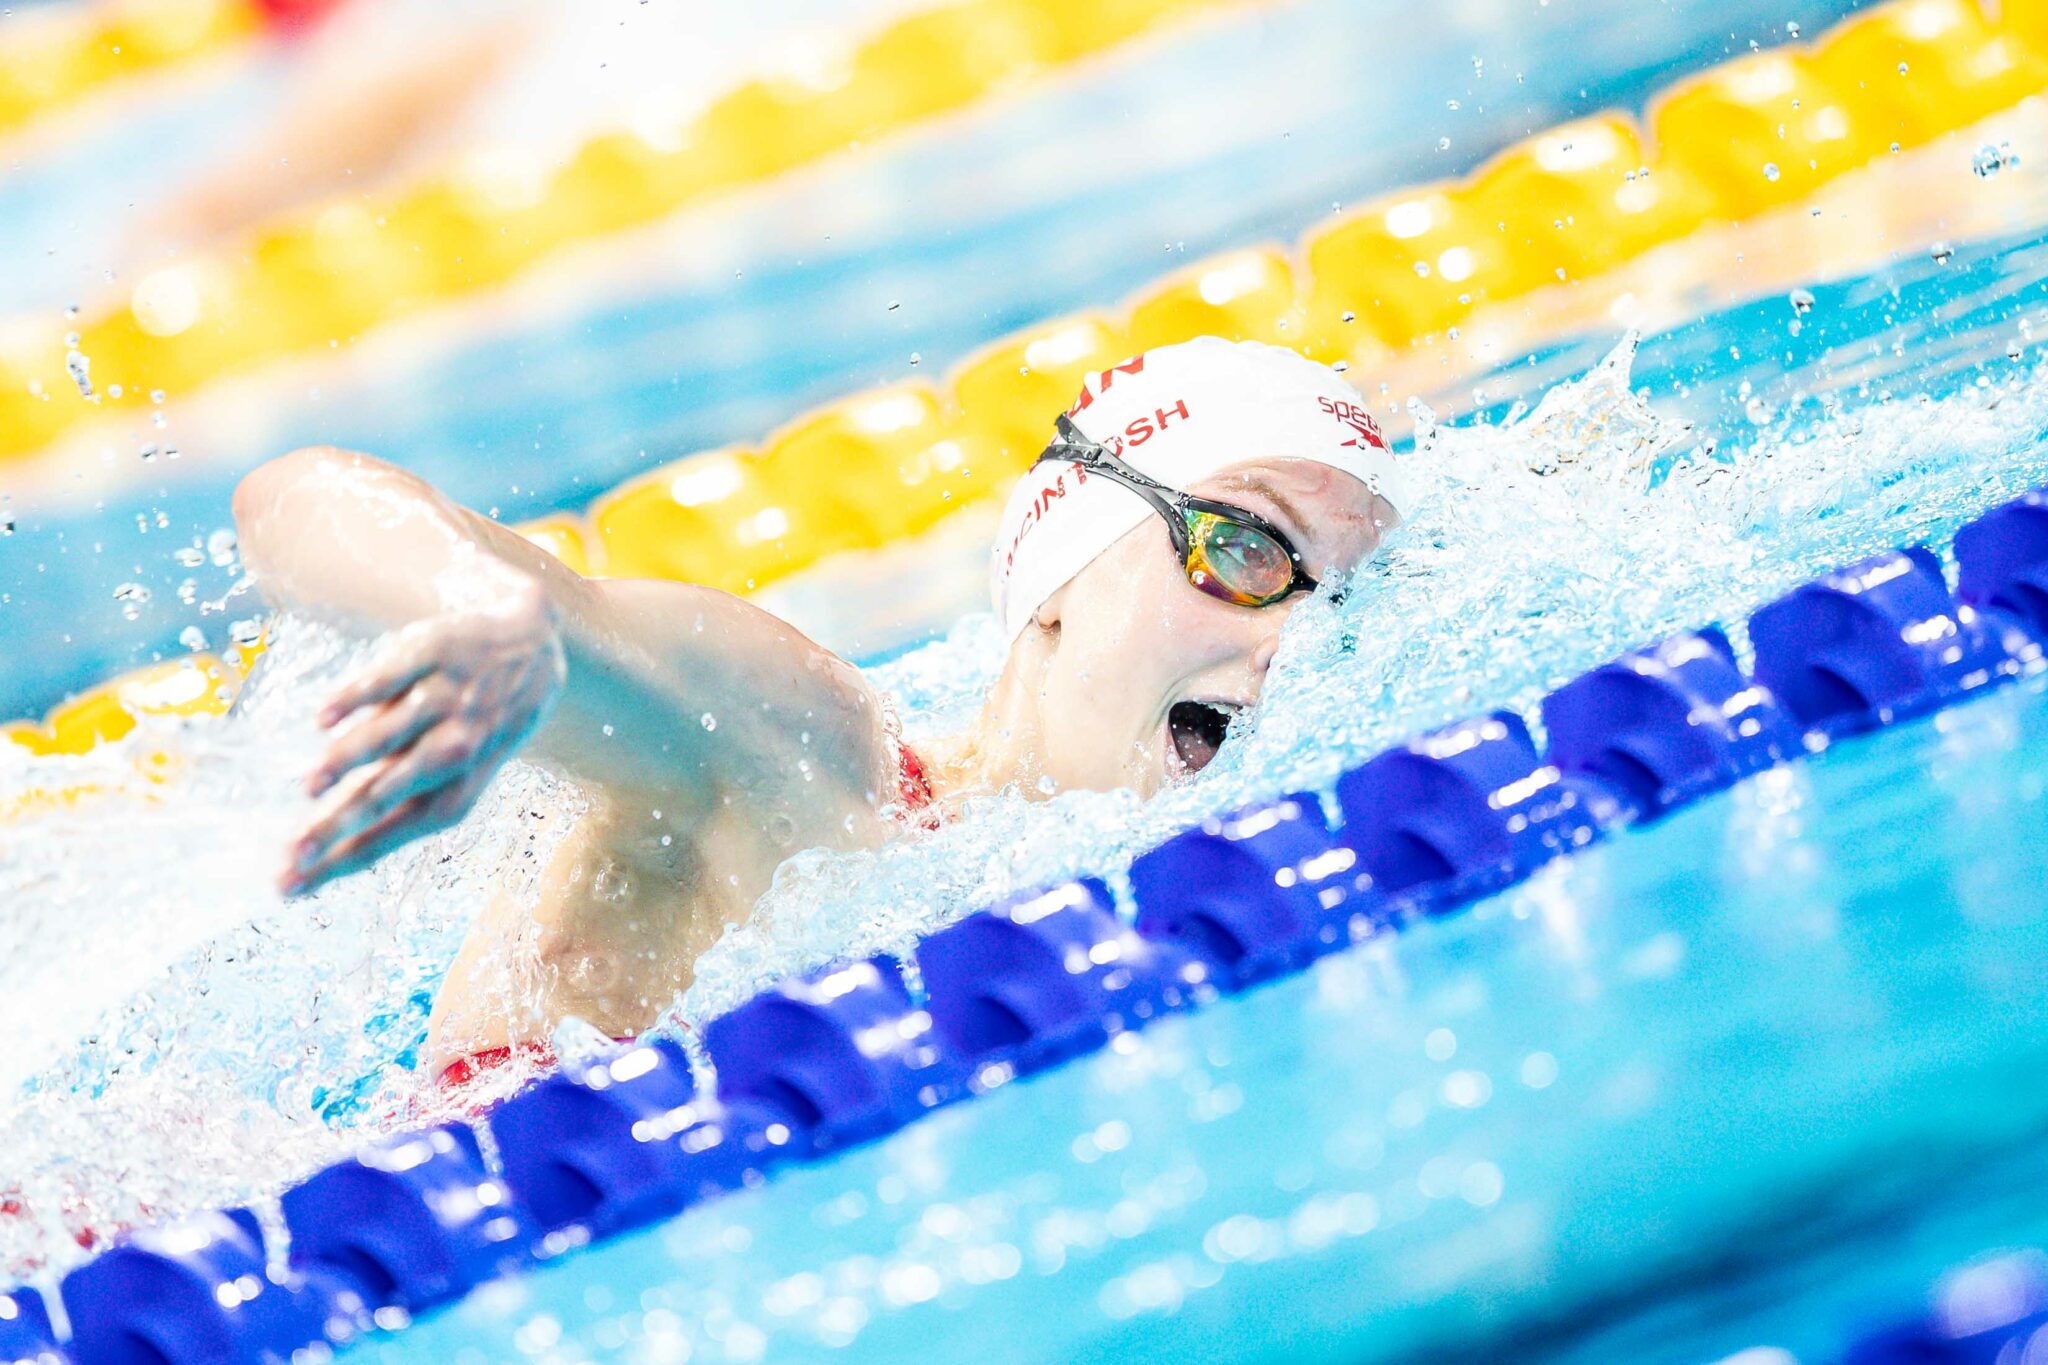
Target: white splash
point(180, 1037)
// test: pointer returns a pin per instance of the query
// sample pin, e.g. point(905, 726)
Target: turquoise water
point(1745, 1077)
point(1792, 1029)
point(1239, 129)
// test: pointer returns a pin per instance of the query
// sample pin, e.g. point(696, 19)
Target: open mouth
point(1197, 730)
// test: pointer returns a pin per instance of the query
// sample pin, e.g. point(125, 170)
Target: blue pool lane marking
point(845, 1055)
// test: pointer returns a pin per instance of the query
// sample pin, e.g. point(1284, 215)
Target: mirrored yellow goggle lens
point(1235, 562)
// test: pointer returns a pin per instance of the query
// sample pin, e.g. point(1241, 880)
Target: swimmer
point(1143, 570)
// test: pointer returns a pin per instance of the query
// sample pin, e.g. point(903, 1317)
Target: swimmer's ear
point(1047, 617)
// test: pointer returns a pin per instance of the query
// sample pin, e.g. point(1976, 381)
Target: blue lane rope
point(844, 1055)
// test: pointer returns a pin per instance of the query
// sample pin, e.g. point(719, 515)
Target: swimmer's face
point(1146, 668)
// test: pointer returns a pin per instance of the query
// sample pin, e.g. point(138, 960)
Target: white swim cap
point(1179, 415)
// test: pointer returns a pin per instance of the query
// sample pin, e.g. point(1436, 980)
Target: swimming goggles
point(1228, 552)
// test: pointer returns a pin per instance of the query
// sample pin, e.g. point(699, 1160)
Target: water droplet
point(1443, 144)
point(1942, 253)
point(81, 372)
point(916, 359)
point(708, 721)
point(1422, 268)
point(1991, 159)
point(149, 453)
point(71, 313)
point(1771, 170)
point(1902, 68)
point(156, 396)
point(1340, 366)
point(1350, 316)
point(894, 304)
point(220, 547)
point(246, 631)
point(1792, 27)
point(133, 597)
point(190, 557)
point(607, 730)
point(1046, 786)
point(1802, 301)
point(193, 638)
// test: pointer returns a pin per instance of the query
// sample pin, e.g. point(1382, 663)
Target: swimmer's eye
point(1239, 563)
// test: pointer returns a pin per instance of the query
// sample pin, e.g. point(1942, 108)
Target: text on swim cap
point(1135, 365)
point(1355, 417)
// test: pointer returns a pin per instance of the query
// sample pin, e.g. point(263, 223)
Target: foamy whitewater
point(182, 1038)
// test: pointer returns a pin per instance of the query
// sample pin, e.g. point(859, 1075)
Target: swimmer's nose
point(1262, 657)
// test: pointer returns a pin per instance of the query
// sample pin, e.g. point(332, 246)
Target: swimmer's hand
point(421, 730)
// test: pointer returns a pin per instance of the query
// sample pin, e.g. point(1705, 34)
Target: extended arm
point(679, 693)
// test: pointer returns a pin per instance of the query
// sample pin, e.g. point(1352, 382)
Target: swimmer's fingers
point(407, 658)
point(382, 732)
point(452, 757)
point(419, 815)
point(371, 792)
point(378, 805)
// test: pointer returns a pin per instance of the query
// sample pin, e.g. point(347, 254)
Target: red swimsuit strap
point(914, 786)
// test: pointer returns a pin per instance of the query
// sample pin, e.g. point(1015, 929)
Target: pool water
point(1740, 1078)
point(726, 323)
point(1743, 1077)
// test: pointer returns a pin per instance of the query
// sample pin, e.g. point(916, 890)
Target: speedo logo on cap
point(1355, 416)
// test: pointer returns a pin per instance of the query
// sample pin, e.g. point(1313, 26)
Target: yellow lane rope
point(1754, 134)
point(327, 274)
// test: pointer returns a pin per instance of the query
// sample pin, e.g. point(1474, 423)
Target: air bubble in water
point(1770, 170)
point(1802, 301)
point(193, 638)
point(1350, 316)
point(220, 547)
point(133, 597)
point(708, 721)
point(156, 396)
point(80, 370)
point(189, 557)
point(246, 632)
point(1942, 253)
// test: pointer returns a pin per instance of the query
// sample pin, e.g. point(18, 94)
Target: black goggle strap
point(1074, 445)
point(1071, 445)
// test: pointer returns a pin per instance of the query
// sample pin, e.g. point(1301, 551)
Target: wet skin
point(490, 647)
